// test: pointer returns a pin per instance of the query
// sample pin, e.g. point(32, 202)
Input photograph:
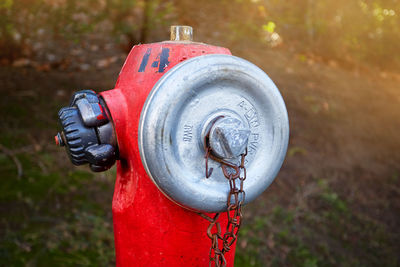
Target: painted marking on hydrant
point(145, 59)
point(161, 61)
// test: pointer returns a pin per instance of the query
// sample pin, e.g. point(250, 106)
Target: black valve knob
point(87, 132)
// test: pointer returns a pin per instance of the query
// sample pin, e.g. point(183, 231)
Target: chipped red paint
point(149, 229)
point(101, 116)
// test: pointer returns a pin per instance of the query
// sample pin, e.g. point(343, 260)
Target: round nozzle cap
point(229, 138)
point(87, 132)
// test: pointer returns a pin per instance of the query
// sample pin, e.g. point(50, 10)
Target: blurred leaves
point(25, 24)
point(352, 33)
point(269, 27)
point(349, 31)
point(6, 4)
point(355, 32)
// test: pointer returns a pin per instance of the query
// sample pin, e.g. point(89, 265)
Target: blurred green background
point(336, 201)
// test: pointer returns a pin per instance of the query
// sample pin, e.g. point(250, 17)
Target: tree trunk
point(144, 31)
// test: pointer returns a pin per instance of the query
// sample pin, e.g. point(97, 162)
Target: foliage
point(24, 23)
point(361, 31)
point(352, 32)
point(52, 214)
point(138, 21)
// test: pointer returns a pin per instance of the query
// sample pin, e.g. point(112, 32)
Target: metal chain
point(235, 199)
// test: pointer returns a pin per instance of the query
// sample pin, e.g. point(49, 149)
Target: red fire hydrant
point(194, 131)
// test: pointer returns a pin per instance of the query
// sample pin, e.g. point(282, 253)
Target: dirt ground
point(343, 160)
point(336, 201)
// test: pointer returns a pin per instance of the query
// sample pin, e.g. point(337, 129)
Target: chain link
point(235, 199)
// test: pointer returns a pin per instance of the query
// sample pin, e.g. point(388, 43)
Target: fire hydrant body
point(197, 133)
point(149, 229)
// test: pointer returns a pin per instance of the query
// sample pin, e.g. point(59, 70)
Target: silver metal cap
point(229, 138)
point(174, 121)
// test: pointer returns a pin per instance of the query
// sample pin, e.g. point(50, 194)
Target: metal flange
point(179, 112)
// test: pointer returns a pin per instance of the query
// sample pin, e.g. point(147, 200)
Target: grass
point(54, 214)
point(54, 218)
point(325, 231)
